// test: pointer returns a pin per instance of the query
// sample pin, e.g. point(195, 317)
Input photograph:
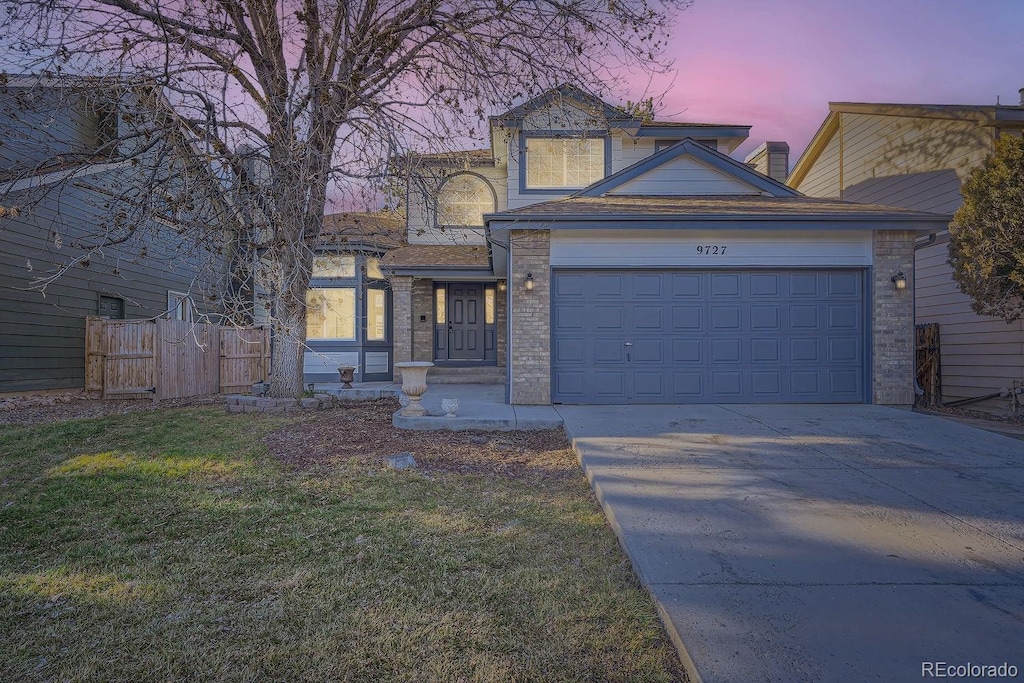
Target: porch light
point(529, 282)
point(502, 286)
point(899, 280)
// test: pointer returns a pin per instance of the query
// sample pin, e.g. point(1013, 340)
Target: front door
point(461, 325)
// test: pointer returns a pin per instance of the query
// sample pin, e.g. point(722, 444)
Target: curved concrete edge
point(685, 659)
point(430, 423)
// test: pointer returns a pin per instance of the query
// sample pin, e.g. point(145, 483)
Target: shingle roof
point(442, 256)
point(383, 229)
point(742, 206)
point(467, 157)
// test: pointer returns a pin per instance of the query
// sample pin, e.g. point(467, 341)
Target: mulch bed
point(363, 431)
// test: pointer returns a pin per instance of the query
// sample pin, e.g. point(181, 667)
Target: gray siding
point(42, 337)
point(980, 354)
point(38, 125)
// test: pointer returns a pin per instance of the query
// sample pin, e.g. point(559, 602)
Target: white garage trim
point(654, 248)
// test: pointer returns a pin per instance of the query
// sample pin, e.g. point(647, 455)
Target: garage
point(712, 336)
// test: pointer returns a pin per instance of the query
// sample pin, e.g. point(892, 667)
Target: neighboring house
point(593, 257)
point(917, 156)
point(74, 212)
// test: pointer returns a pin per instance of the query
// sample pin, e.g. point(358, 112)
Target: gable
point(564, 114)
point(688, 168)
point(684, 176)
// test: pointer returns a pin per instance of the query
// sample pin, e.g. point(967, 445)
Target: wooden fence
point(929, 366)
point(162, 359)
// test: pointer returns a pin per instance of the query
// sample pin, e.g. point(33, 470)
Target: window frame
point(524, 136)
point(437, 201)
point(179, 302)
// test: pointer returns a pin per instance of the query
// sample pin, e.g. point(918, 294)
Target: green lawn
point(171, 545)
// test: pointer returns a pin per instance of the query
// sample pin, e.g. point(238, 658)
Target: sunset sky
point(776, 64)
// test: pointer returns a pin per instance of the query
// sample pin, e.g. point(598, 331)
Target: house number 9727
point(711, 250)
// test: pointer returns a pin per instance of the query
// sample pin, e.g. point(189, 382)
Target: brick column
point(401, 290)
point(531, 312)
point(892, 319)
point(423, 330)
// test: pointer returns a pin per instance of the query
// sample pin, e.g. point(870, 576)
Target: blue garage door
point(708, 337)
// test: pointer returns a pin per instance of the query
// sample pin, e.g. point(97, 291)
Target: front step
point(486, 374)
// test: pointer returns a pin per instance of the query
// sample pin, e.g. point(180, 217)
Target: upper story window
point(463, 200)
point(563, 163)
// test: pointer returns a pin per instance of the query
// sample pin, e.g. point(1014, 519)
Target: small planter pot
point(449, 406)
point(346, 372)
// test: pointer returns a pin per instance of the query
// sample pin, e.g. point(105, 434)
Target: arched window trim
point(440, 191)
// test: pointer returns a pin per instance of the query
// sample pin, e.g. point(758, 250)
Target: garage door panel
point(805, 382)
point(648, 318)
point(687, 385)
point(765, 383)
point(725, 285)
point(765, 317)
point(609, 351)
point(804, 285)
point(764, 284)
point(609, 383)
point(687, 285)
point(570, 350)
point(649, 384)
point(726, 350)
point(608, 317)
point(803, 317)
point(725, 318)
point(844, 284)
point(765, 351)
point(687, 351)
point(726, 384)
point(687, 318)
point(711, 336)
point(647, 351)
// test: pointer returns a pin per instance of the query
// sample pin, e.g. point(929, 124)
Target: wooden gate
point(244, 358)
point(929, 367)
point(163, 359)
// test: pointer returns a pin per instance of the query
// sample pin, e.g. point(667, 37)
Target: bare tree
point(293, 96)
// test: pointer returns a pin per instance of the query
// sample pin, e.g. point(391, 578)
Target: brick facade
point(501, 321)
point(423, 320)
point(892, 319)
point(531, 325)
point(401, 291)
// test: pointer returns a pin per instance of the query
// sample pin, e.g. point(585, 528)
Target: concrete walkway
point(481, 406)
point(816, 543)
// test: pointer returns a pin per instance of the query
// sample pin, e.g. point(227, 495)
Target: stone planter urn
point(414, 385)
point(346, 375)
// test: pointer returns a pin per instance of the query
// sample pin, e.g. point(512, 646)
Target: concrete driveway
point(816, 543)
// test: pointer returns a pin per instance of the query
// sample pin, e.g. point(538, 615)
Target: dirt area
point(363, 431)
point(1004, 418)
point(76, 405)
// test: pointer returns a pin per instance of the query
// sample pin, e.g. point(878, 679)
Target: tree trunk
point(289, 341)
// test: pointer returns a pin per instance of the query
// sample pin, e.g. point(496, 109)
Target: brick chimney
point(1021, 93)
point(771, 159)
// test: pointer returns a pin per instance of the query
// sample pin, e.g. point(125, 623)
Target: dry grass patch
point(189, 544)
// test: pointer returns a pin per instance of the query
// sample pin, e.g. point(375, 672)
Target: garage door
point(708, 337)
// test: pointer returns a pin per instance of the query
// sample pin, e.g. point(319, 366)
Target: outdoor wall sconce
point(529, 282)
point(502, 286)
point(899, 280)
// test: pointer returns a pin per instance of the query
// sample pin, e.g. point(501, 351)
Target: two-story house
point(916, 156)
point(101, 211)
point(590, 256)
